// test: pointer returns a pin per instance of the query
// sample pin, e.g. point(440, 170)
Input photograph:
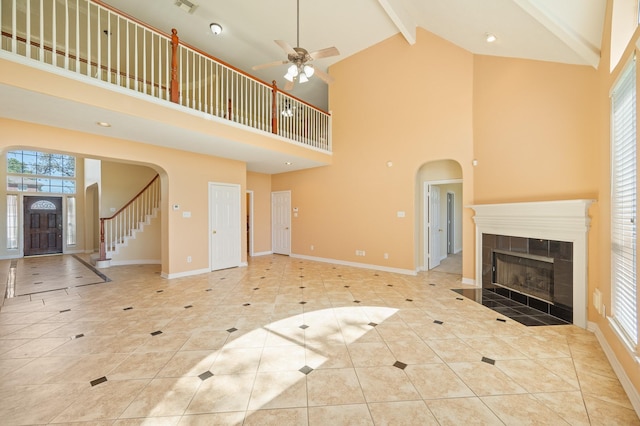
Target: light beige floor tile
point(32, 404)
point(568, 405)
point(402, 413)
point(352, 415)
point(380, 384)
point(454, 350)
point(533, 377)
point(413, 352)
point(493, 348)
point(522, 410)
point(34, 348)
point(485, 379)
point(606, 413)
point(140, 366)
point(462, 411)
point(282, 358)
point(223, 393)
point(370, 354)
point(218, 419)
point(102, 402)
point(437, 381)
point(280, 389)
point(147, 421)
point(277, 417)
point(163, 397)
point(327, 356)
point(603, 388)
point(334, 386)
point(236, 361)
point(188, 363)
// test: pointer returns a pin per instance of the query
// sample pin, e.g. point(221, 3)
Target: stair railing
point(115, 229)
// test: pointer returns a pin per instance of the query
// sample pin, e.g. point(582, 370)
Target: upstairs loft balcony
point(89, 41)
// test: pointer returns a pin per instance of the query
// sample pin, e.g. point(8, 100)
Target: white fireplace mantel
point(566, 220)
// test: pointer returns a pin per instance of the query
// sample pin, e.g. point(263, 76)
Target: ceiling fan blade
point(325, 53)
point(286, 47)
point(289, 85)
point(268, 65)
point(324, 76)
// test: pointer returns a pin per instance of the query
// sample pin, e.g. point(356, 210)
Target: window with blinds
point(624, 205)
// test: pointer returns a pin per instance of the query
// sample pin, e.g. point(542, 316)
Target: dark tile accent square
point(304, 326)
point(302, 287)
point(501, 319)
point(400, 365)
point(438, 322)
point(65, 310)
point(155, 333)
point(39, 282)
point(303, 303)
point(356, 301)
point(389, 285)
point(77, 336)
point(459, 298)
point(409, 300)
point(80, 276)
point(256, 288)
point(159, 291)
point(204, 376)
point(346, 286)
point(128, 309)
point(98, 381)
point(432, 284)
point(209, 289)
point(488, 360)
point(188, 306)
point(246, 304)
point(306, 370)
point(300, 276)
point(372, 324)
point(539, 247)
point(231, 330)
point(223, 278)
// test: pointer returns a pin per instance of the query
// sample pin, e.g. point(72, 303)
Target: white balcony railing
point(89, 38)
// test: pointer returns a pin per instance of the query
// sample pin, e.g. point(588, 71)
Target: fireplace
point(542, 247)
point(532, 271)
point(526, 274)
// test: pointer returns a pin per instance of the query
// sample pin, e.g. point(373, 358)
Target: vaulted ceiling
point(566, 31)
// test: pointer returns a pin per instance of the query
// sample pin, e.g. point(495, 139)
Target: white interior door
point(281, 222)
point(224, 213)
point(434, 226)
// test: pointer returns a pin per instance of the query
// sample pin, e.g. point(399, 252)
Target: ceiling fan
point(299, 59)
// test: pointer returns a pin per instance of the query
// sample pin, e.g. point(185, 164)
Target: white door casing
point(224, 226)
point(434, 226)
point(281, 222)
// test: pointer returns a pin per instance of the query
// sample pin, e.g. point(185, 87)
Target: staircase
point(118, 230)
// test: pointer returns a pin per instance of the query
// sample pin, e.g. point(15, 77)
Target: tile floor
point(286, 341)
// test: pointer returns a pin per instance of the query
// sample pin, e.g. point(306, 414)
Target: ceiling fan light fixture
point(215, 28)
point(309, 70)
point(490, 38)
point(302, 78)
point(292, 71)
point(289, 77)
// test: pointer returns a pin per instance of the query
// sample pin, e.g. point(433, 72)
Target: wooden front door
point(42, 225)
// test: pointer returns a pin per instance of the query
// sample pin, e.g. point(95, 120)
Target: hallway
point(287, 341)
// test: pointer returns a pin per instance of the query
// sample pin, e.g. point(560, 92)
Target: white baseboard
point(627, 385)
point(469, 281)
point(262, 253)
point(136, 262)
point(185, 274)
point(355, 264)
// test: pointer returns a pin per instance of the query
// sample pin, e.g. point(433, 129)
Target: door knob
point(214, 231)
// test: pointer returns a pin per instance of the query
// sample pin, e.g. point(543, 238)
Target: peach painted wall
point(536, 128)
point(260, 184)
point(185, 177)
point(119, 183)
point(412, 117)
point(602, 252)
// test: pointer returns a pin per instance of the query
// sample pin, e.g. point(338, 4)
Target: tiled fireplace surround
point(549, 222)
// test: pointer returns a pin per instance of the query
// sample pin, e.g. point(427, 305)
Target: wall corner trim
point(627, 385)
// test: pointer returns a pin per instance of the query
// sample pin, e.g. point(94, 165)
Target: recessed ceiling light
point(288, 163)
point(103, 124)
point(215, 28)
point(490, 38)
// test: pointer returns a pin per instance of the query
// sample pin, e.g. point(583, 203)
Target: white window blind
point(623, 204)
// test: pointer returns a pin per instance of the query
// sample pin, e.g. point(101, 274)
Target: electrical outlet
point(312, 247)
point(188, 259)
point(386, 255)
